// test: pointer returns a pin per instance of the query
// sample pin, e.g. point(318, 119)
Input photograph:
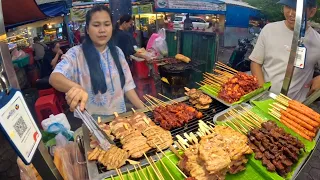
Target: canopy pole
point(10, 76)
point(295, 42)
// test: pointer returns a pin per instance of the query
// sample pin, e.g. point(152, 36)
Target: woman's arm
point(55, 59)
point(134, 99)
point(256, 70)
point(75, 94)
point(61, 83)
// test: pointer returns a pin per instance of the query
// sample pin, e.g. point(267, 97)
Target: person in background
point(187, 24)
point(96, 75)
point(38, 48)
point(124, 39)
point(50, 60)
point(270, 56)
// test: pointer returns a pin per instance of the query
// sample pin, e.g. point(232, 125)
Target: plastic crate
point(141, 69)
point(21, 62)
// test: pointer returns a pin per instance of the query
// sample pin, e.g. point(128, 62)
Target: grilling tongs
point(103, 139)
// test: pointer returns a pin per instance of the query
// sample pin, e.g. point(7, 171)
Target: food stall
point(230, 128)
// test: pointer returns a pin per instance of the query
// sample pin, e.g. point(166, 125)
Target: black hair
point(92, 56)
point(52, 45)
point(125, 18)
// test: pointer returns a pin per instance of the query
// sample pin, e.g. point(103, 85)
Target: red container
point(30, 52)
point(141, 69)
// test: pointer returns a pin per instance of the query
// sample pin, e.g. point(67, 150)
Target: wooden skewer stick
point(112, 177)
point(165, 167)
point(286, 97)
point(156, 167)
point(147, 168)
point(116, 114)
point(242, 120)
point(153, 105)
point(137, 172)
point(157, 101)
point(224, 65)
point(151, 166)
point(252, 114)
point(130, 175)
point(229, 126)
point(171, 162)
point(236, 122)
point(145, 176)
point(225, 69)
point(120, 175)
point(248, 118)
point(178, 145)
point(175, 151)
point(146, 106)
point(168, 98)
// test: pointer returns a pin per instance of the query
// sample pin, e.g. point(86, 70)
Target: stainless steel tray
point(264, 96)
point(92, 166)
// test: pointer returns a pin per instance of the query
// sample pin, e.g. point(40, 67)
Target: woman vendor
point(95, 75)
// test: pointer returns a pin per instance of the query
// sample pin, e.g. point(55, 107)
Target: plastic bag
point(27, 172)
point(158, 42)
point(68, 160)
point(59, 128)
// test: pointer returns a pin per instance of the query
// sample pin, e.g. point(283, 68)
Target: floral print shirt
point(74, 67)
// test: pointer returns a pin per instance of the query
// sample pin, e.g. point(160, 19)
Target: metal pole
point(294, 46)
point(9, 73)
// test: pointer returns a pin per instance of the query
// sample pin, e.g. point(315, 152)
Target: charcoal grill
point(98, 171)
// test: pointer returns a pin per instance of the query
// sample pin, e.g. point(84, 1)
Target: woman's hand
point(77, 96)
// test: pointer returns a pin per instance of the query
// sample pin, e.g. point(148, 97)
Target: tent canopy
point(21, 12)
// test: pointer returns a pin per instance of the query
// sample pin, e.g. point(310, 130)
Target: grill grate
point(191, 126)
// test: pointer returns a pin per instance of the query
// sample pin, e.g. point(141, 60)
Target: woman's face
point(100, 28)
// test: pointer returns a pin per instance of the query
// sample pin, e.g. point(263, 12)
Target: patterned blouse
point(74, 67)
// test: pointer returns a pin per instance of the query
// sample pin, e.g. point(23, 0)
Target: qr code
point(20, 126)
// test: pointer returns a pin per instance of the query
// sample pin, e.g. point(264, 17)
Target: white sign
point(190, 4)
point(18, 123)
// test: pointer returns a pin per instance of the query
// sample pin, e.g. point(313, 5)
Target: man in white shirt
point(270, 56)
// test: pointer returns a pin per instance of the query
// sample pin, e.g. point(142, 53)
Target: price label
point(19, 126)
point(301, 57)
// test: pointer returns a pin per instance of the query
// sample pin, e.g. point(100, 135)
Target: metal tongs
point(103, 139)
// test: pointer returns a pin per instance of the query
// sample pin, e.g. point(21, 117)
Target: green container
point(199, 46)
point(171, 38)
point(21, 62)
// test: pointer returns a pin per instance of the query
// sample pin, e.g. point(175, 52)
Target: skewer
point(147, 168)
point(194, 138)
point(119, 174)
point(157, 101)
point(130, 175)
point(116, 114)
point(175, 151)
point(165, 167)
point(150, 102)
point(146, 106)
point(137, 172)
point(145, 176)
point(247, 119)
point(187, 89)
point(99, 119)
point(188, 138)
point(286, 97)
point(229, 126)
point(225, 69)
point(151, 165)
point(168, 98)
point(238, 118)
point(224, 65)
point(178, 145)
point(171, 162)
point(252, 114)
point(112, 177)
point(153, 161)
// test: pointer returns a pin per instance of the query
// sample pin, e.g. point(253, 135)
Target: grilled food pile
point(237, 86)
point(175, 115)
point(199, 99)
point(106, 128)
point(277, 149)
point(218, 153)
point(296, 116)
point(113, 158)
point(137, 134)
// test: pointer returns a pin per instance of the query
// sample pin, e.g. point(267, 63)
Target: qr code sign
point(20, 126)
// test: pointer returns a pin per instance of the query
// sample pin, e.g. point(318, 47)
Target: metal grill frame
point(191, 126)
